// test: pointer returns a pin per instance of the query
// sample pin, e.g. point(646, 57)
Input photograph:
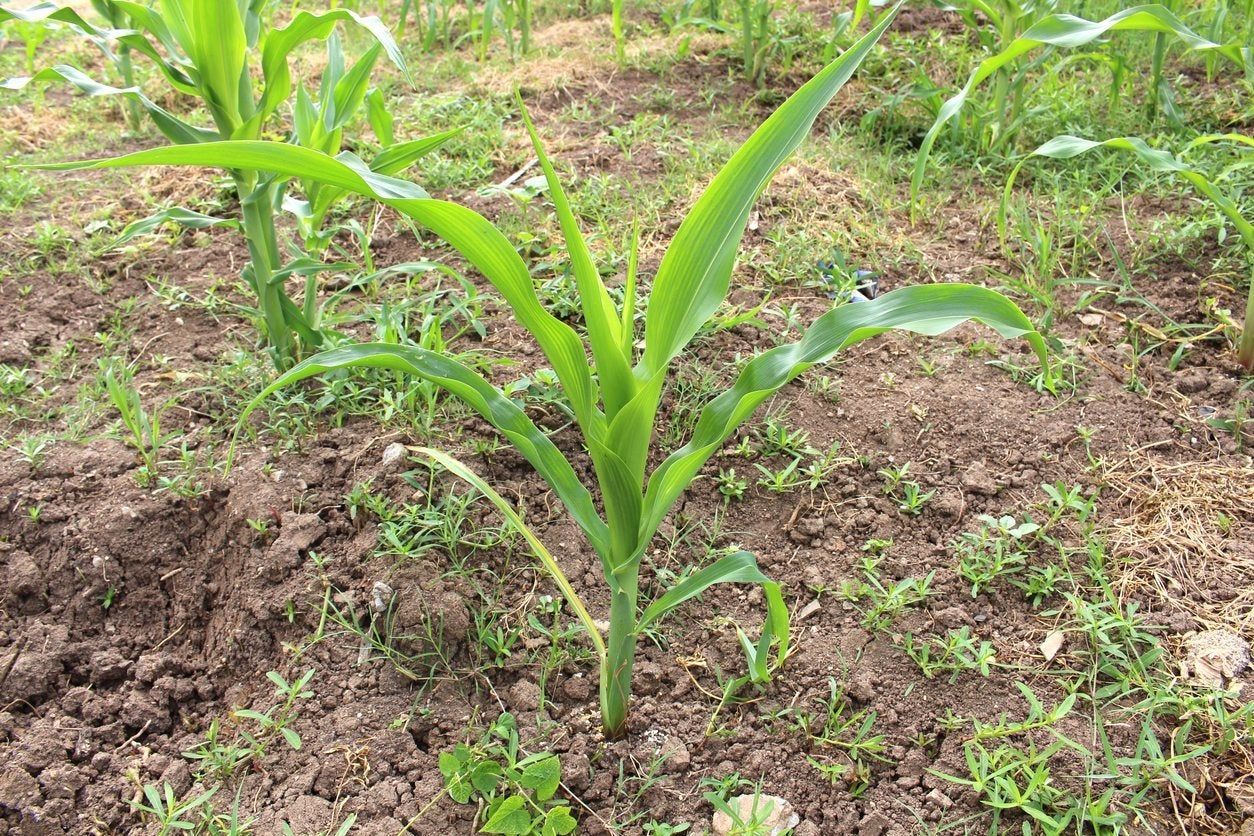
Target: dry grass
point(1186, 535)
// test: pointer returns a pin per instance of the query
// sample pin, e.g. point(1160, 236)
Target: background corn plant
point(227, 54)
point(614, 395)
point(1067, 147)
point(997, 123)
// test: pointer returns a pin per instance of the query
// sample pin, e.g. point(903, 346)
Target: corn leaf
point(211, 34)
point(461, 471)
point(603, 323)
point(1065, 147)
point(175, 129)
point(1063, 30)
point(305, 27)
point(465, 230)
point(925, 309)
point(695, 273)
point(693, 278)
point(183, 217)
point(472, 389)
point(740, 567)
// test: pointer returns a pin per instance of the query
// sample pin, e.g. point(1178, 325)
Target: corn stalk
point(613, 390)
point(212, 50)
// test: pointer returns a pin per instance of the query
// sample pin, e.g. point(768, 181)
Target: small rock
point(525, 695)
point(1190, 383)
point(1215, 657)
point(648, 677)
point(862, 685)
point(952, 617)
point(299, 532)
point(947, 504)
point(978, 480)
point(18, 790)
point(676, 755)
point(108, 667)
point(780, 818)
point(577, 688)
point(873, 824)
point(394, 456)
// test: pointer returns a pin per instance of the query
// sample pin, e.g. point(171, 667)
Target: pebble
point(393, 456)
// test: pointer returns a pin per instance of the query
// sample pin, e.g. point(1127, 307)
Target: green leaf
point(1063, 30)
point(547, 560)
point(1065, 147)
point(211, 34)
point(602, 319)
point(542, 776)
point(558, 822)
point(380, 117)
point(183, 217)
point(468, 232)
point(394, 159)
point(175, 129)
point(280, 43)
point(477, 393)
point(510, 818)
point(695, 273)
point(486, 776)
point(292, 738)
point(692, 280)
point(925, 309)
point(740, 567)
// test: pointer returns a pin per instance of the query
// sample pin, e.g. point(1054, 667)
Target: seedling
point(730, 485)
point(209, 49)
point(171, 813)
point(614, 397)
point(515, 794)
point(957, 651)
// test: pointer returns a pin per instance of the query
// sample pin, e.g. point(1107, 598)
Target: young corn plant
point(1053, 31)
point(211, 50)
point(1065, 147)
point(614, 390)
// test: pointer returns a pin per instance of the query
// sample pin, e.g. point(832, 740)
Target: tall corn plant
point(213, 50)
point(613, 389)
point(1066, 147)
point(1056, 31)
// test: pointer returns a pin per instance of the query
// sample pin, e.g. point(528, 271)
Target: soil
point(98, 699)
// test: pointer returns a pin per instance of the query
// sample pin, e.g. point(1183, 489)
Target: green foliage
point(226, 54)
point(143, 426)
point(615, 398)
point(1068, 147)
point(1053, 31)
point(516, 795)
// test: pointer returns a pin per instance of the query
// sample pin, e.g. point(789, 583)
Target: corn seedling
point(1064, 31)
point(614, 396)
point(1066, 147)
point(208, 49)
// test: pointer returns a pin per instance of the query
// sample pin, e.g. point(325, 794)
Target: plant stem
point(1245, 353)
point(620, 656)
point(620, 41)
point(127, 70)
point(257, 206)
